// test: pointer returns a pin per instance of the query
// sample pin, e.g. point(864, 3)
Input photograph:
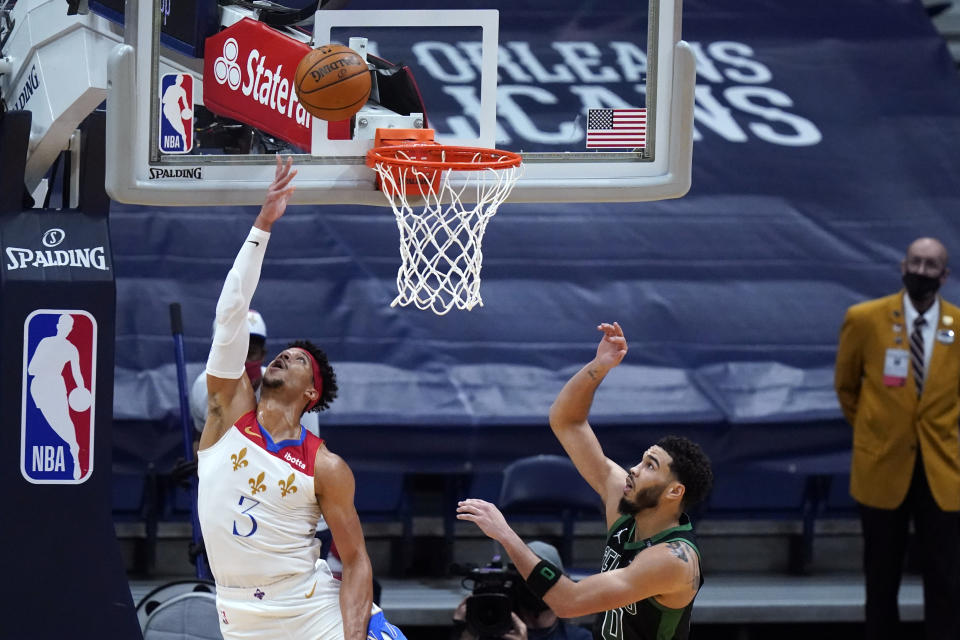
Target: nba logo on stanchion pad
point(176, 113)
point(59, 376)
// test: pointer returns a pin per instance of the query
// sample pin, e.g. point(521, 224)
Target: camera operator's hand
point(484, 515)
point(460, 613)
point(519, 630)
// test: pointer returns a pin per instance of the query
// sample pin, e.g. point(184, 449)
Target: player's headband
point(317, 379)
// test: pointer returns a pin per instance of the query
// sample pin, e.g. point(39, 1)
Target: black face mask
point(919, 286)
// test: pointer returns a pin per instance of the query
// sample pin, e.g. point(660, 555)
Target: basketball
point(79, 399)
point(332, 82)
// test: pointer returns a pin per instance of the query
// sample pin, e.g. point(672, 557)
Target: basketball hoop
point(460, 189)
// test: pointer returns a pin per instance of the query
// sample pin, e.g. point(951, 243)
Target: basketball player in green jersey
point(650, 572)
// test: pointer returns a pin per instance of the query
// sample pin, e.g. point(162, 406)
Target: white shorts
point(302, 606)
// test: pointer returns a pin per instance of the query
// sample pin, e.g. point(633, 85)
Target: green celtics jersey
point(646, 619)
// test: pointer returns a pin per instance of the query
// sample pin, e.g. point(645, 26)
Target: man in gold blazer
point(898, 383)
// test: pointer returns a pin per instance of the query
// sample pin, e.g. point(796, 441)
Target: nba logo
point(176, 113)
point(59, 386)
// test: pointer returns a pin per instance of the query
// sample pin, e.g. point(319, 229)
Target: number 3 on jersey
point(246, 512)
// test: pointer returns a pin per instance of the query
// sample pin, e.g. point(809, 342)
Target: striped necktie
point(916, 352)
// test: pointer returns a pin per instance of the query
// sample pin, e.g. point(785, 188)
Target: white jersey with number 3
point(257, 507)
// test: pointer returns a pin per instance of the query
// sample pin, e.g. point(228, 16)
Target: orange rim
point(438, 156)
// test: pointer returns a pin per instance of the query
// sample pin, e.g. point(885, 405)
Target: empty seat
point(152, 601)
point(381, 496)
point(189, 616)
point(549, 487)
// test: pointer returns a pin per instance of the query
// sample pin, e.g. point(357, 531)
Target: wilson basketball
point(332, 82)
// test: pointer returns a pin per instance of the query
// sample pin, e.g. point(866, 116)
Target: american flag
point(612, 128)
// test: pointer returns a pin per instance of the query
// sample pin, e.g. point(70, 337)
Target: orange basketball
point(332, 82)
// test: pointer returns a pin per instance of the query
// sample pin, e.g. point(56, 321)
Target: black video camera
point(494, 593)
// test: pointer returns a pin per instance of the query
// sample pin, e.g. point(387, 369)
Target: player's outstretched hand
point(484, 515)
point(612, 347)
point(278, 194)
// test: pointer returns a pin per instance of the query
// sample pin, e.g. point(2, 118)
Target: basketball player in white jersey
point(265, 480)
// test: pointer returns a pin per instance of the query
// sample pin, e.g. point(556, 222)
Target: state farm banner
point(248, 75)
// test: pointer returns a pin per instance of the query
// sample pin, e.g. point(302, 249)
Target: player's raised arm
point(230, 393)
point(568, 419)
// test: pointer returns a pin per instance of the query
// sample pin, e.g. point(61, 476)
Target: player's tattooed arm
point(679, 550)
point(695, 577)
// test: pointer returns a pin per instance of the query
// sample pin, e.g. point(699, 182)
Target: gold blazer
point(890, 422)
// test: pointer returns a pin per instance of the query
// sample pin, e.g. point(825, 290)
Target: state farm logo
point(259, 62)
point(268, 85)
point(225, 68)
point(294, 460)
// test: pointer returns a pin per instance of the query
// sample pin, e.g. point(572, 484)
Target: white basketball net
point(440, 240)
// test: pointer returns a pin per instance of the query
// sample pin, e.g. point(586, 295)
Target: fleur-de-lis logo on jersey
point(287, 486)
point(238, 459)
point(257, 485)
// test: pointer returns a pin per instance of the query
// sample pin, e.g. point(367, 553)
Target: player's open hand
point(612, 347)
point(484, 515)
point(279, 192)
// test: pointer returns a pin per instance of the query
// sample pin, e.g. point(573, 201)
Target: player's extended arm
point(656, 572)
point(230, 393)
point(848, 372)
point(663, 569)
point(568, 419)
point(334, 486)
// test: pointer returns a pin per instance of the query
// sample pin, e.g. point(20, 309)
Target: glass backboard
point(599, 102)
